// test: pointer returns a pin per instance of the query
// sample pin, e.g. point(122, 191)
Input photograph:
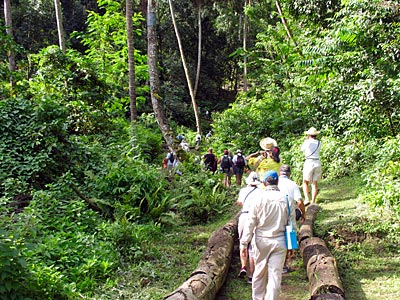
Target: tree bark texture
point(321, 266)
point(9, 30)
point(131, 61)
point(60, 27)
point(189, 82)
point(155, 87)
point(205, 282)
point(306, 229)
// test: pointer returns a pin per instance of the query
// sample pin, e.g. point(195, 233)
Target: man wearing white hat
point(247, 197)
point(312, 170)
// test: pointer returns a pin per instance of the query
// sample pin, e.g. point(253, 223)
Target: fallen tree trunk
point(306, 229)
point(322, 272)
point(205, 282)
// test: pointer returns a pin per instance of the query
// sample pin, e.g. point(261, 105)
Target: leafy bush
point(382, 187)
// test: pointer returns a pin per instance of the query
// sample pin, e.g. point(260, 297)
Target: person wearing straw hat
point(247, 196)
point(312, 169)
point(267, 159)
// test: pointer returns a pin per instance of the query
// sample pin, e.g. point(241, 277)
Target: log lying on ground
point(306, 229)
point(205, 282)
point(322, 272)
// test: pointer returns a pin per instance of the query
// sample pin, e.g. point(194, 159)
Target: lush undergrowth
point(86, 211)
point(364, 242)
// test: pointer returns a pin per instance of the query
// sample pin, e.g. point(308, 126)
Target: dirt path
point(368, 262)
point(294, 284)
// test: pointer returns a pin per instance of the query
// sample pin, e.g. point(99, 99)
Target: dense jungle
point(94, 94)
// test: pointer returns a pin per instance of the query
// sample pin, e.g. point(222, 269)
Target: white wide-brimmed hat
point(268, 143)
point(253, 179)
point(311, 131)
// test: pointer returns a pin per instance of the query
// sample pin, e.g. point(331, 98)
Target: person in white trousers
point(267, 218)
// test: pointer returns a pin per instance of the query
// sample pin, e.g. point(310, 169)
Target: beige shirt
point(268, 216)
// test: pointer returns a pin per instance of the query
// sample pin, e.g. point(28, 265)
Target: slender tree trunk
point(289, 33)
point(195, 108)
point(60, 28)
point(245, 28)
point(196, 83)
point(9, 30)
point(154, 76)
point(131, 61)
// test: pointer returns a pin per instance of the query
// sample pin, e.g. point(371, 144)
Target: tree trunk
point(196, 83)
point(245, 29)
point(189, 83)
point(131, 61)
point(306, 229)
point(205, 282)
point(60, 28)
point(154, 77)
point(289, 33)
point(9, 30)
point(321, 266)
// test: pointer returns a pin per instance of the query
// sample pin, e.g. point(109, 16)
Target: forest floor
point(368, 259)
point(367, 263)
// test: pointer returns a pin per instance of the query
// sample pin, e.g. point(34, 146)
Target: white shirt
point(247, 195)
point(268, 216)
point(234, 159)
point(311, 148)
point(290, 188)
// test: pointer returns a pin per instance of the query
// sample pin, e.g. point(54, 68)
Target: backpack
point(171, 157)
point(225, 162)
point(240, 161)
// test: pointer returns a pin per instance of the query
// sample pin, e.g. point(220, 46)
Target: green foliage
point(146, 138)
point(13, 269)
point(382, 177)
point(106, 42)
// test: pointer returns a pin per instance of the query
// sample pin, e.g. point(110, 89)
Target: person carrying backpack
point(170, 160)
point(210, 161)
point(239, 162)
point(226, 166)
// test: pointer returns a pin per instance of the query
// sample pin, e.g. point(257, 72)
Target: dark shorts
point(238, 170)
point(298, 214)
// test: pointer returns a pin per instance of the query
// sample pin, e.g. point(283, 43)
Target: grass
point(368, 259)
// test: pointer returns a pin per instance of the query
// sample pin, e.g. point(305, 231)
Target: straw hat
point(268, 143)
point(311, 131)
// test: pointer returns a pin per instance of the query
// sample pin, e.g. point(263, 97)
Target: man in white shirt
point(312, 170)
point(247, 196)
point(290, 188)
point(267, 218)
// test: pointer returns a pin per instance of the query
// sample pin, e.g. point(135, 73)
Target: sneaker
point(250, 280)
point(242, 272)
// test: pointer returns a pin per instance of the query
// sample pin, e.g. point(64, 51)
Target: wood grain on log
point(322, 272)
point(211, 272)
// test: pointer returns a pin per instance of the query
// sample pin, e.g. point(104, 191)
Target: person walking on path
point(226, 167)
point(267, 159)
point(247, 196)
point(312, 170)
point(267, 218)
point(239, 162)
point(210, 161)
point(290, 188)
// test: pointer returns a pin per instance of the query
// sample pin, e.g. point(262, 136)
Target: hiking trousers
point(269, 258)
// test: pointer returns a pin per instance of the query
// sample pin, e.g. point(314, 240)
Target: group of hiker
point(270, 200)
point(229, 164)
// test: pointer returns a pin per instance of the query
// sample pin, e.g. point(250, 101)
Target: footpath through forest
point(368, 266)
